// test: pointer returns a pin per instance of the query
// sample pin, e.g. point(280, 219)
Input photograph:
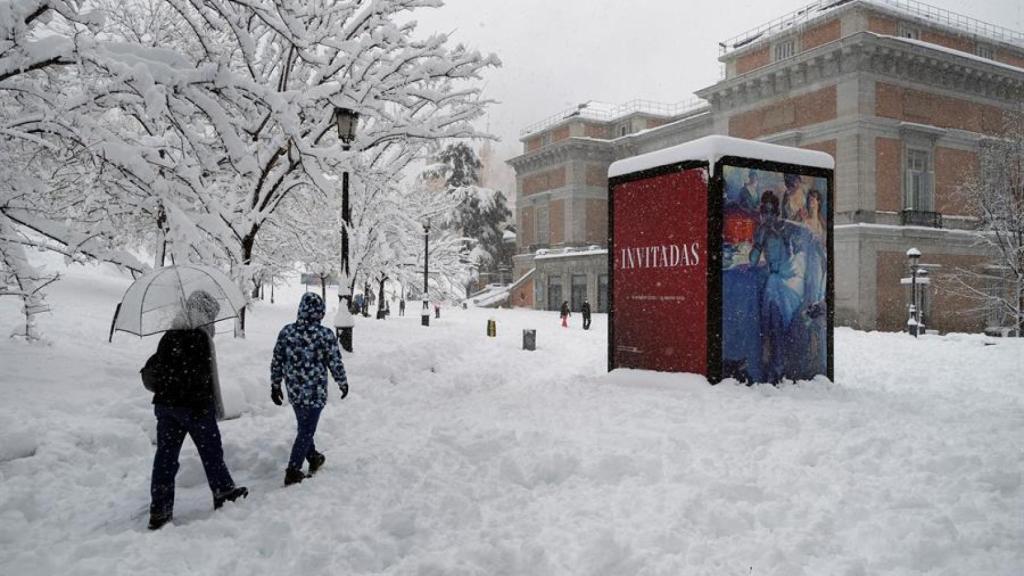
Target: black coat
point(185, 368)
point(565, 310)
point(585, 309)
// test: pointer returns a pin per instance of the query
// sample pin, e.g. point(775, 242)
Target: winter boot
point(316, 460)
point(293, 476)
point(230, 496)
point(158, 519)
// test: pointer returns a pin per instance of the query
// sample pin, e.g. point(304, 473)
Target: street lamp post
point(425, 314)
point(346, 121)
point(914, 321)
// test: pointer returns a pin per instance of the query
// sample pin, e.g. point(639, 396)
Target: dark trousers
point(172, 424)
point(306, 420)
point(586, 321)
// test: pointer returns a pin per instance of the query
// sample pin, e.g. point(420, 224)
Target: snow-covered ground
point(461, 454)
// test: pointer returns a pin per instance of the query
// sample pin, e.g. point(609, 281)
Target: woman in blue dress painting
point(814, 288)
point(780, 242)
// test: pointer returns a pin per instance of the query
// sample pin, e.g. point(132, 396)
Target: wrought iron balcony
point(921, 218)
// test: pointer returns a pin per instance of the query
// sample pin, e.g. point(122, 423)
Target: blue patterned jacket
point(305, 350)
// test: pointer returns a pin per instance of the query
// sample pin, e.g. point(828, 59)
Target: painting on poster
point(774, 275)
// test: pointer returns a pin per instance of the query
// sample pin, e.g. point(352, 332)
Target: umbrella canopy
point(171, 297)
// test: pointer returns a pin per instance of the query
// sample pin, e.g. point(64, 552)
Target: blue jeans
point(172, 424)
point(306, 420)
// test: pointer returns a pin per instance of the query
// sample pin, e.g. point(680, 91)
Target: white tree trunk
point(28, 281)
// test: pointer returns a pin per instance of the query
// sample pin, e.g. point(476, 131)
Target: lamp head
point(346, 120)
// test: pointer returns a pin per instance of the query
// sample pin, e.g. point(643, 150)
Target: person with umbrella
point(304, 352)
point(184, 402)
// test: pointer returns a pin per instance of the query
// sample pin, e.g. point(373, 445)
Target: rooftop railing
point(939, 16)
point(604, 112)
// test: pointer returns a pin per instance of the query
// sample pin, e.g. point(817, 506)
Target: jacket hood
point(311, 308)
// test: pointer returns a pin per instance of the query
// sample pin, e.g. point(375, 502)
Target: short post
point(529, 339)
point(914, 321)
point(343, 323)
point(492, 327)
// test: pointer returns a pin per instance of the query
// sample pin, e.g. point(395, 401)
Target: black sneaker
point(293, 476)
point(230, 496)
point(316, 461)
point(157, 520)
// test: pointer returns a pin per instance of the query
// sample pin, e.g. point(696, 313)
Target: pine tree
point(483, 214)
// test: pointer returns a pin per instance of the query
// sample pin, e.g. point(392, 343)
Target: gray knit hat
point(202, 308)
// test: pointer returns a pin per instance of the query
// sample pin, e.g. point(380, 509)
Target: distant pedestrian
point(585, 309)
point(304, 352)
point(401, 307)
point(437, 310)
point(184, 402)
point(565, 314)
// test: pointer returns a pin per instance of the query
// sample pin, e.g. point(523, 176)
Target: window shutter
point(927, 200)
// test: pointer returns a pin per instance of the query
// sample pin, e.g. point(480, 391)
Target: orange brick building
point(901, 94)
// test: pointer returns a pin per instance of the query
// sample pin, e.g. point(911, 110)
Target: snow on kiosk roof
point(713, 148)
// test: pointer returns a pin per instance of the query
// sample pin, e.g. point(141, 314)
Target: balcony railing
point(603, 112)
point(921, 218)
point(914, 8)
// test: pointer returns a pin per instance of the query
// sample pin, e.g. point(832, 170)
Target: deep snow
point(461, 454)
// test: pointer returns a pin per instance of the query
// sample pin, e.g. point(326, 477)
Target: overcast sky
point(559, 53)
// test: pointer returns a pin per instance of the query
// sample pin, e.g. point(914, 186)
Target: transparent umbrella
point(156, 302)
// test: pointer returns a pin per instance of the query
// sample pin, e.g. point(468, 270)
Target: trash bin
point(492, 328)
point(529, 339)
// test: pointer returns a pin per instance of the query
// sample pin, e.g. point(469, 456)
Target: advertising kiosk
point(720, 260)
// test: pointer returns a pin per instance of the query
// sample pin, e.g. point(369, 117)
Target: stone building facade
point(900, 94)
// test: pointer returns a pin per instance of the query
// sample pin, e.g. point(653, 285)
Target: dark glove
point(276, 395)
point(344, 390)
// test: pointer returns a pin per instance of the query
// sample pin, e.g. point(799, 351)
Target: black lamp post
point(425, 315)
point(346, 121)
point(914, 322)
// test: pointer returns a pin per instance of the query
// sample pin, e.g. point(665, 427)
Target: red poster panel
point(660, 267)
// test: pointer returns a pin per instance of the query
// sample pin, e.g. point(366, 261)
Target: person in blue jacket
point(304, 352)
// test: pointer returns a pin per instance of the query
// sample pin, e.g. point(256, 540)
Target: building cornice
point(805, 70)
point(561, 151)
point(942, 68)
point(919, 63)
point(876, 125)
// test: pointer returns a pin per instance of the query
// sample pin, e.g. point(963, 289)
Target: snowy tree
point(483, 214)
point(207, 116)
point(255, 112)
point(391, 216)
point(34, 104)
point(995, 197)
